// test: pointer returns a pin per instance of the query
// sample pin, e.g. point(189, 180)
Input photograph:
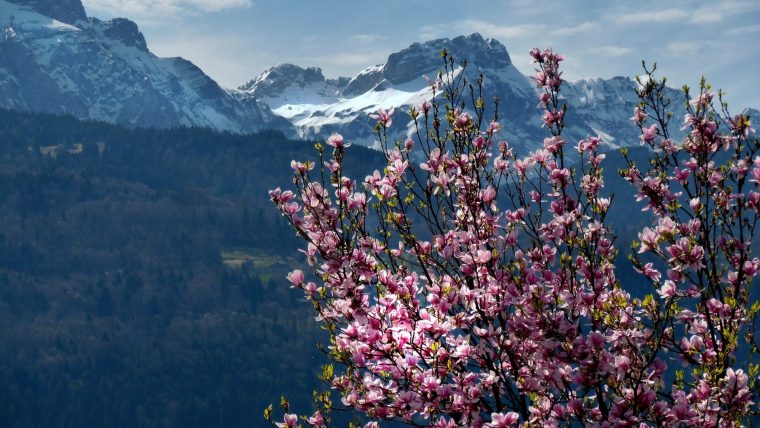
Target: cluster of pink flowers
point(476, 288)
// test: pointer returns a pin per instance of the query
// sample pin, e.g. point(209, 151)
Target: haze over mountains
point(55, 59)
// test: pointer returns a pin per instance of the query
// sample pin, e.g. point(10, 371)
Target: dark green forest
point(142, 276)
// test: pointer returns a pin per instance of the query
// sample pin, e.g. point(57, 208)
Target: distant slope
point(142, 276)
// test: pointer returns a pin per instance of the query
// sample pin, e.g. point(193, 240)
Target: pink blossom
point(649, 134)
point(383, 118)
point(336, 140)
point(695, 203)
point(296, 277)
point(588, 144)
point(649, 271)
point(463, 121)
point(553, 117)
point(536, 54)
point(500, 164)
point(316, 420)
point(667, 290)
point(559, 176)
point(638, 116)
point(501, 420)
point(741, 125)
point(553, 144)
point(301, 168)
point(291, 208)
point(488, 195)
point(289, 421)
point(543, 99)
point(435, 84)
point(483, 256)
point(703, 100)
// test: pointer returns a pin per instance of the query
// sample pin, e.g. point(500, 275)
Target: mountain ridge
point(55, 59)
point(319, 106)
point(67, 11)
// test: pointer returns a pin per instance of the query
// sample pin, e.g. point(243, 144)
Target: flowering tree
point(467, 286)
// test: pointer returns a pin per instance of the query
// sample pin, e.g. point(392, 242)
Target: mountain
point(55, 59)
point(68, 11)
point(318, 106)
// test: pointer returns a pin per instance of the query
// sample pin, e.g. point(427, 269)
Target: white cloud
point(711, 14)
point(367, 38)
point(706, 16)
point(739, 6)
point(487, 29)
point(504, 32)
point(499, 31)
point(682, 48)
point(611, 51)
point(430, 32)
point(356, 58)
point(747, 29)
point(147, 8)
point(650, 16)
point(585, 27)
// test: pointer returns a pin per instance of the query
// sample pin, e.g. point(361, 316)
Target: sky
point(235, 40)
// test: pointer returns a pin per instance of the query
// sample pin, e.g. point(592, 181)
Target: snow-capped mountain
point(318, 106)
point(55, 59)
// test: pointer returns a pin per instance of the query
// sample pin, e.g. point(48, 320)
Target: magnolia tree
point(467, 286)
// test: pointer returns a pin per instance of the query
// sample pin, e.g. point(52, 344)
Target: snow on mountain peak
point(68, 11)
point(288, 84)
point(282, 72)
point(317, 106)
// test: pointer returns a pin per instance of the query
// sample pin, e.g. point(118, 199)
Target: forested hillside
point(142, 276)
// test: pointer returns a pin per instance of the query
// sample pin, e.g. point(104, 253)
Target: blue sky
point(235, 40)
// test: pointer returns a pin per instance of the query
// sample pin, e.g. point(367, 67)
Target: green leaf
point(268, 413)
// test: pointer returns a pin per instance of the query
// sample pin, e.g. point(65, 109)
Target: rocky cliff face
point(406, 65)
point(319, 106)
point(290, 84)
point(68, 11)
point(54, 59)
point(125, 31)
